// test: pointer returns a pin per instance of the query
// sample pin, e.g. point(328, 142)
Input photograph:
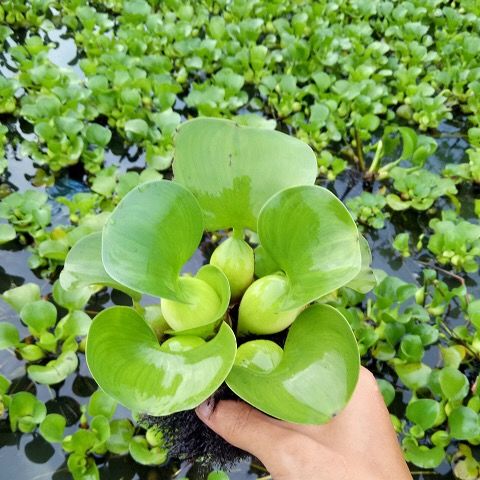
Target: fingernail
point(205, 409)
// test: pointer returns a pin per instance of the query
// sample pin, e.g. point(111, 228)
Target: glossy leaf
point(18, 297)
point(229, 168)
point(424, 412)
point(365, 280)
point(464, 424)
point(39, 316)
point(125, 359)
point(84, 267)
point(141, 247)
point(311, 236)
point(25, 412)
point(9, 336)
point(101, 404)
point(7, 233)
point(54, 371)
point(121, 432)
point(315, 377)
point(52, 427)
point(141, 453)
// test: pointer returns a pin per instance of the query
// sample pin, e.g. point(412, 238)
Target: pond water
point(28, 456)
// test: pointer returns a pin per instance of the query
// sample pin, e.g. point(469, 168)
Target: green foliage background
point(373, 86)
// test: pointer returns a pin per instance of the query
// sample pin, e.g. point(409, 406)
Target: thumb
point(242, 426)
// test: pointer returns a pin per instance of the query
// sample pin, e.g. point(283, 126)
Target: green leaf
point(297, 227)
point(101, 404)
point(82, 467)
point(98, 135)
point(454, 384)
point(84, 267)
point(218, 475)
point(4, 384)
point(421, 455)
point(229, 168)
point(141, 245)
point(7, 233)
point(74, 324)
point(54, 371)
point(387, 390)
point(80, 442)
point(424, 412)
point(136, 129)
point(39, 316)
point(25, 412)
point(71, 299)
point(141, 453)
point(365, 280)
point(413, 375)
point(18, 297)
point(9, 336)
point(121, 432)
point(125, 359)
point(52, 428)
point(464, 424)
point(314, 378)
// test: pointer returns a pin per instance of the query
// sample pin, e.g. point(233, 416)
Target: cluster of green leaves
point(455, 241)
point(51, 346)
point(367, 208)
point(396, 328)
point(330, 71)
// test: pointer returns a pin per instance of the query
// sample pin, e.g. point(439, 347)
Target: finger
point(243, 426)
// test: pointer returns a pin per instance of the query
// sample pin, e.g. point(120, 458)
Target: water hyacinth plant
point(163, 358)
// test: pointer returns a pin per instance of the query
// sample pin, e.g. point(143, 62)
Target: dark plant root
point(189, 439)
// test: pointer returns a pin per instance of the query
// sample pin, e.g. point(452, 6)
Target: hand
point(358, 444)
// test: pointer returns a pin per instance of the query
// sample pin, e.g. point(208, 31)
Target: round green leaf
point(315, 377)
point(101, 404)
point(25, 412)
point(311, 236)
point(7, 233)
point(9, 336)
point(121, 432)
point(464, 424)
point(39, 316)
point(387, 390)
point(232, 170)
point(424, 412)
point(52, 427)
point(98, 135)
point(84, 267)
point(141, 453)
point(148, 238)
point(125, 359)
point(454, 384)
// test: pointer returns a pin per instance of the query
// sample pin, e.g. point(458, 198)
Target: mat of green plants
point(387, 93)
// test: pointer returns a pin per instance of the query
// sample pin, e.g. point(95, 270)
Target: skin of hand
point(358, 444)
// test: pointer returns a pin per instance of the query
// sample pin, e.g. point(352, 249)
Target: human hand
point(358, 444)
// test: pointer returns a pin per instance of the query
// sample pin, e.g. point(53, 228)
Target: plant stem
point(376, 159)
point(360, 159)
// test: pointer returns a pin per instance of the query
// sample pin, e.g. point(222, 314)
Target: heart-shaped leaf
point(232, 170)
point(310, 235)
point(84, 267)
point(125, 359)
point(314, 378)
point(148, 238)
